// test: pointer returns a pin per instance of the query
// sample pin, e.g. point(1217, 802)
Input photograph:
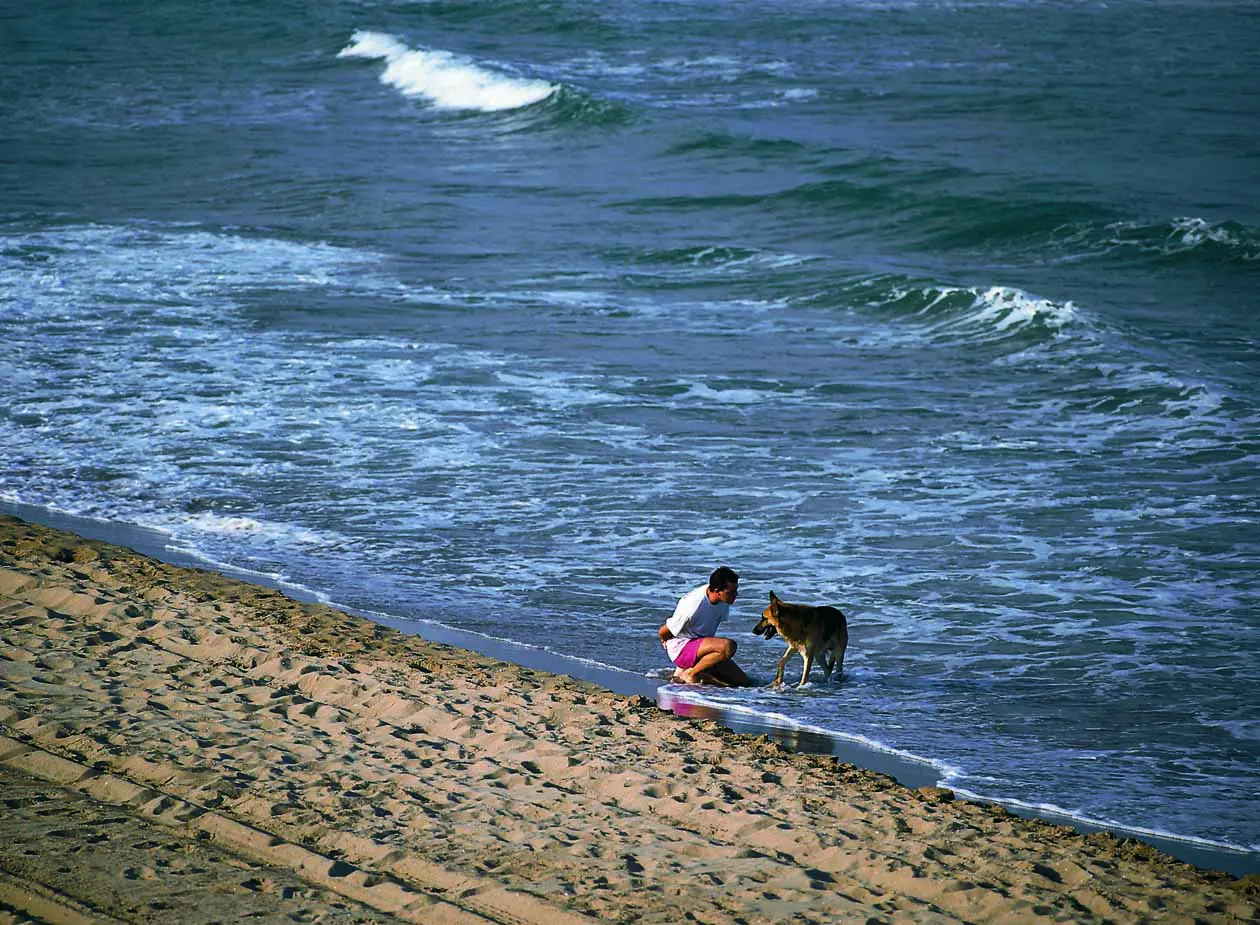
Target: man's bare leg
point(728, 674)
point(714, 660)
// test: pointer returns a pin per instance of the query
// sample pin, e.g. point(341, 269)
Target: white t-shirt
point(694, 618)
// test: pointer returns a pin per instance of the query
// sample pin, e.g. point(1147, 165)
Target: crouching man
point(690, 635)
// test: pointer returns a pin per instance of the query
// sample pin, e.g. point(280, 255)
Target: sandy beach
point(178, 746)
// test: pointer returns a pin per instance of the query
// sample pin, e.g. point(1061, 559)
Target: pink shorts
point(687, 657)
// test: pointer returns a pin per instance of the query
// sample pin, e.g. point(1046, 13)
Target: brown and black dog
point(811, 631)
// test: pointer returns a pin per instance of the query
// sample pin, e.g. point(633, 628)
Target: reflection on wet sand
point(807, 741)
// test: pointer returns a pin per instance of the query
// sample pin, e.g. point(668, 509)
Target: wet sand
point(180, 746)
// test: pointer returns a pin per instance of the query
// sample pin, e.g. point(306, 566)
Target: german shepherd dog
point(811, 631)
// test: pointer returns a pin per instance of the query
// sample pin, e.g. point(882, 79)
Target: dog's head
point(767, 625)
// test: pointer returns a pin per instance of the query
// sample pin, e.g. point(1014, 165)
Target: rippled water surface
point(523, 317)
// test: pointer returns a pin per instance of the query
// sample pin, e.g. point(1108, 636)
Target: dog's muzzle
point(764, 628)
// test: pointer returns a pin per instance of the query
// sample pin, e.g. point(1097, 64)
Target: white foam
point(1007, 307)
point(689, 694)
point(416, 623)
point(723, 259)
point(446, 80)
point(970, 314)
point(167, 269)
point(700, 391)
point(1189, 233)
point(1179, 236)
point(1054, 811)
point(277, 579)
point(1001, 309)
point(220, 525)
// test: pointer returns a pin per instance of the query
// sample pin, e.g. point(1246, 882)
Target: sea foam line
point(1043, 810)
point(166, 535)
point(446, 80)
point(782, 721)
point(949, 774)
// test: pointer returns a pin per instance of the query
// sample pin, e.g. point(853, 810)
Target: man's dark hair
point(722, 578)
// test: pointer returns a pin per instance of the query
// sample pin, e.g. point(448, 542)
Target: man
point(689, 635)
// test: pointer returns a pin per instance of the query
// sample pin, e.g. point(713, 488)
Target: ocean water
point(522, 317)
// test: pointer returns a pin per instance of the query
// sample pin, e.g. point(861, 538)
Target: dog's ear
point(774, 603)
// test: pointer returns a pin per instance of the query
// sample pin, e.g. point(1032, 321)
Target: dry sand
point(177, 746)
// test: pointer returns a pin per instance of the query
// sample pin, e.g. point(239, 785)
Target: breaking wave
point(446, 80)
point(1178, 240)
point(927, 313)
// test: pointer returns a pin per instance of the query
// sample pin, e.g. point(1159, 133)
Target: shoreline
point(906, 771)
point(154, 543)
point(179, 745)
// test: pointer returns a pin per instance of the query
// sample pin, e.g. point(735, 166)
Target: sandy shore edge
point(176, 745)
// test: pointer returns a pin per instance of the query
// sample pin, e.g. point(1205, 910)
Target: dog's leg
point(836, 653)
point(778, 678)
point(828, 663)
point(809, 663)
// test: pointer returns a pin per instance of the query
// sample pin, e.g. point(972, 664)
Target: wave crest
point(1187, 238)
point(445, 80)
point(945, 314)
point(1228, 239)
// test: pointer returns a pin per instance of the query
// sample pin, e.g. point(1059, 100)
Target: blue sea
point(520, 317)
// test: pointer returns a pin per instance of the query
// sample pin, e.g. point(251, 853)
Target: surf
point(445, 80)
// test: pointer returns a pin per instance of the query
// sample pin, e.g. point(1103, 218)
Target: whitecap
point(446, 80)
point(945, 314)
point(1177, 237)
point(1189, 233)
point(731, 396)
point(239, 525)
